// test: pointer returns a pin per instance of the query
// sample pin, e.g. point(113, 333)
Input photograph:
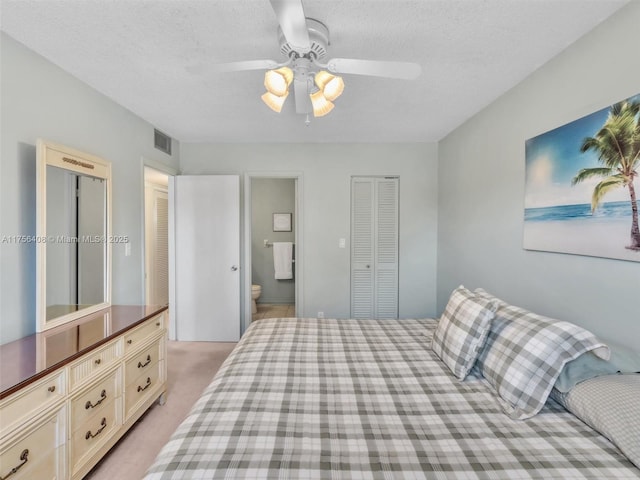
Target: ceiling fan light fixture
point(321, 106)
point(277, 81)
point(331, 85)
point(274, 102)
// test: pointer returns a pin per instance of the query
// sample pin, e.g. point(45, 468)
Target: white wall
point(478, 171)
point(41, 100)
point(326, 170)
point(481, 184)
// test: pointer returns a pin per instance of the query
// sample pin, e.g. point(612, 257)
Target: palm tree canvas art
point(582, 185)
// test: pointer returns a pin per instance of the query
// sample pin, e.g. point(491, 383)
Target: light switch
point(342, 243)
point(127, 249)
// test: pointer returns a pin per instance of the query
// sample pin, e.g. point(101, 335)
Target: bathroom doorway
point(273, 247)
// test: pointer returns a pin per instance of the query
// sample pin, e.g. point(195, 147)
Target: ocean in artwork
point(556, 213)
point(573, 229)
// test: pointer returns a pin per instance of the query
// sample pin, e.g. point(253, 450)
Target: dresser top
point(33, 357)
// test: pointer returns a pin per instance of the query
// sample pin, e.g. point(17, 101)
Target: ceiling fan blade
point(246, 65)
point(375, 68)
point(290, 15)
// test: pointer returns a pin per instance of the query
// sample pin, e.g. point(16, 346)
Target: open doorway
point(273, 203)
point(273, 226)
point(156, 225)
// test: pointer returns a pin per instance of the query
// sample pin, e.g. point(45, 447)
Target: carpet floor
point(190, 368)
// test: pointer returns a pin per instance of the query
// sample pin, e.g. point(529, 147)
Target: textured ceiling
point(154, 57)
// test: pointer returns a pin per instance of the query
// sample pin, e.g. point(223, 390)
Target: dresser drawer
point(94, 400)
point(36, 455)
point(94, 433)
point(140, 334)
point(142, 362)
point(141, 388)
point(95, 363)
point(33, 399)
point(47, 469)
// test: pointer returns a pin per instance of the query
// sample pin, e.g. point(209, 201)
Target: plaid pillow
point(609, 404)
point(525, 353)
point(462, 330)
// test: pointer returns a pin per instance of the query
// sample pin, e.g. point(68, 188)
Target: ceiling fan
point(303, 41)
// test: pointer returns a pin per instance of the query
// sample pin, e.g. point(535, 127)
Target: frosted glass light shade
point(274, 102)
point(321, 106)
point(277, 81)
point(330, 85)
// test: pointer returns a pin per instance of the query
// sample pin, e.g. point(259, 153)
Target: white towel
point(282, 260)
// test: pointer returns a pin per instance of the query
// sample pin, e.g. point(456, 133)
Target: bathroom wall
point(269, 196)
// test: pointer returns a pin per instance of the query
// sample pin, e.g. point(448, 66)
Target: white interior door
point(362, 248)
point(386, 246)
point(206, 254)
point(374, 247)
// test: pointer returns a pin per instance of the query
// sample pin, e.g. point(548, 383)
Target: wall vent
point(162, 141)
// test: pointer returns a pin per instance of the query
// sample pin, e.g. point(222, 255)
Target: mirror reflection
point(76, 225)
point(69, 341)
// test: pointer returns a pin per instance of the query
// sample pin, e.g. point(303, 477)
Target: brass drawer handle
point(52, 388)
point(129, 342)
point(142, 365)
point(103, 425)
point(157, 324)
point(98, 361)
point(142, 389)
point(103, 397)
point(24, 456)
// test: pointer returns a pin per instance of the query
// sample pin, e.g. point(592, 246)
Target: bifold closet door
point(159, 247)
point(374, 247)
point(206, 288)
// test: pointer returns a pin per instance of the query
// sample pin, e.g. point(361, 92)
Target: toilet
point(256, 290)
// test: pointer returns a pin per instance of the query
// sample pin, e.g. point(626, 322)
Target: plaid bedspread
point(366, 399)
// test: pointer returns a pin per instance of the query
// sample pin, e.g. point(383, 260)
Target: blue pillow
point(587, 366)
point(584, 367)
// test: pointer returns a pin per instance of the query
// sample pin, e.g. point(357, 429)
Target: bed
point(303, 398)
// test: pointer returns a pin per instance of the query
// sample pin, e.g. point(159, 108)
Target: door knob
point(233, 268)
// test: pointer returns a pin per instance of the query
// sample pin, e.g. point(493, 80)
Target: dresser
point(68, 394)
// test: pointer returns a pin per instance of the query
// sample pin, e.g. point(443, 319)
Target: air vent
point(162, 141)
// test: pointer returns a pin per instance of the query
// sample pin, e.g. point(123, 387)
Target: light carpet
point(190, 368)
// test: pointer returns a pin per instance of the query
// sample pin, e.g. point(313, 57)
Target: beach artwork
point(583, 186)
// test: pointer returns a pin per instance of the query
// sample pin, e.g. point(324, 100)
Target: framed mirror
point(73, 247)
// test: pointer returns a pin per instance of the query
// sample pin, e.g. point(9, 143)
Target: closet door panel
point(374, 254)
point(386, 237)
point(362, 248)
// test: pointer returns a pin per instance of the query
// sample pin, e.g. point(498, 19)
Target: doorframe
point(298, 239)
point(171, 172)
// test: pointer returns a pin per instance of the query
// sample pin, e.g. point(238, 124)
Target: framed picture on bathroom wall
point(281, 222)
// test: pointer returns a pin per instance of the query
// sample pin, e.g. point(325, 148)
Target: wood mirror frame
point(82, 166)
